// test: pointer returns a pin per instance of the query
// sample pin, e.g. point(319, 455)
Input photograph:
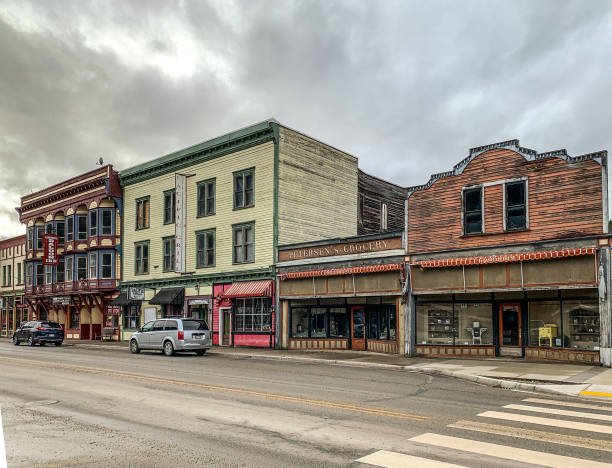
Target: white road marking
point(568, 403)
point(579, 426)
point(532, 434)
point(2, 448)
point(560, 412)
point(505, 452)
point(388, 459)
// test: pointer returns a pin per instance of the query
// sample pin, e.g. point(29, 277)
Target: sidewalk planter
point(342, 294)
point(509, 255)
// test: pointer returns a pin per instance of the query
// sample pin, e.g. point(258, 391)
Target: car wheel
point(42, 343)
point(134, 348)
point(168, 348)
point(200, 352)
point(31, 341)
point(58, 343)
point(15, 340)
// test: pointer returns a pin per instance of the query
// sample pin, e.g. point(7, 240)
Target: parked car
point(39, 331)
point(172, 335)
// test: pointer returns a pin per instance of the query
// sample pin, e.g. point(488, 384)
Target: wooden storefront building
point(342, 294)
point(509, 255)
point(84, 213)
point(13, 310)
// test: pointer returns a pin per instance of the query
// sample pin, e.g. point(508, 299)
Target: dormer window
point(472, 210)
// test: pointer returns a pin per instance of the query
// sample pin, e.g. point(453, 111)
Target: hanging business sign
point(136, 294)
point(113, 310)
point(60, 300)
point(180, 225)
point(50, 242)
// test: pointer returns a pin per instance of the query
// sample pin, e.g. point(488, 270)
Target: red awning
point(250, 289)
point(342, 271)
point(506, 258)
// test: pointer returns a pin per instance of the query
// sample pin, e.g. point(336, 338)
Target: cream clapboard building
point(12, 266)
point(246, 193)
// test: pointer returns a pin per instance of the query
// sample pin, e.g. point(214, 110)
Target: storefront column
point(605, 307)
point(409, 316)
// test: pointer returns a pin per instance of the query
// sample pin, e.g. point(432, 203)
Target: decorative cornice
point(527, 153)
point(205, 151)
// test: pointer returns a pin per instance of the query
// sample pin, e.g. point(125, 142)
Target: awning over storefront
point(122, 300)
point(250, 289)
point(342, 271)
point(506, 258)
point(165, 296)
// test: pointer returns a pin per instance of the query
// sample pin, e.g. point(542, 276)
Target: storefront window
point(435, 323)
point(317, 322)
point(474, 323)
point(253, 314)
point(581, 324)
point(338, 322)
point(74, 318)
point(381, 322)
point(545, 324)
point(299, 323)
point(131, 317)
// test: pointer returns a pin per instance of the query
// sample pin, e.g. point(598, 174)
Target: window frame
point(62, 236)
point(29, 270)
point(525, 182)
point(39, 278)
point(169, 240)
point(169, 213)
point(102, 265)
point(30, 239)
point(242, 227)
point(78, 231)
point(205, 233)
point(203, 199)
point(92, 223)
point(60, 271)
point(39, 230)
point(464, 211)
point(242, 175)
point(146, 213)
point(69, 268)
point(103, 232)
point(142, 245)
point(257, 307)
point(69, 232)
point(92, 264)
point(78, 268)
point(48, 274)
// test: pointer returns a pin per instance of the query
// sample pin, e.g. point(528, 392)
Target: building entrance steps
point(542, 377)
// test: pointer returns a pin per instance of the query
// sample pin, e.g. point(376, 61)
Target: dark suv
point(38, 331)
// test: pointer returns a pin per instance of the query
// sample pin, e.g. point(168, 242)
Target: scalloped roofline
point(527, 153)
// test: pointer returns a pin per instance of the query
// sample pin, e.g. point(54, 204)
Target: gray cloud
point(406, 86)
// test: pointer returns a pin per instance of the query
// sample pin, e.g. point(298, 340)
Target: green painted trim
point(172, 194)
point(203, 185)
point(206, 279)
point(242, 173)
point(276, 139)
point(240, 226)
point(204, 232)
point(143, 243)
point(230, 143)
point(172, 252)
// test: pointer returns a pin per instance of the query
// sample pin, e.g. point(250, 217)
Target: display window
point(545, 324)
point(459, 323)
point(581, 324)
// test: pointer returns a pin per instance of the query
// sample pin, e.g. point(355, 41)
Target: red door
point(358, 328)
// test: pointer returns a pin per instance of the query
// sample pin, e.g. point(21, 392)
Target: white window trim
point(510, 181)
point(69, 272)
point(94, 256)
point(482, 208)
point(102, 265)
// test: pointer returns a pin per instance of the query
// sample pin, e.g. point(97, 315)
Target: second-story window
point(48, 274)
point(81, 227)
point(107, 222)
point(30, 238)
point(69, 269)
point(40, 230)
point(516, 207)
point(60, 230)
point(107, 265)
point(93, 265)
point(93, 223)
point(40, 274)
point(168, 253)
point(19, 273)
point(169, 206)
point(70, 229)
point(142, 213)
point(59, 273)
point(472, 210)
point(244, 184)
point(29, 269)
point(49, 228)
point(244, 243)
point(141, 257)
point(205, 246)
point(206, 198)
point(81, 268)
point(9, 275)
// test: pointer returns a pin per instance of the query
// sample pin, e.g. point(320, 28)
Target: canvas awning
point(122, 300)
point(250, 289)
point(165, 296)
point(359, 270)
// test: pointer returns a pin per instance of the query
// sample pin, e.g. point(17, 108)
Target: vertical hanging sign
point(180, 224)
point(50, 249)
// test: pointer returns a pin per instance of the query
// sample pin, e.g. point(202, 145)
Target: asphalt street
point(70, 406)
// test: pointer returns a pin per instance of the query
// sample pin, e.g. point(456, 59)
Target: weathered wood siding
point(373, 192)
point(317, 190)
point(564, 201)
point(260, 157)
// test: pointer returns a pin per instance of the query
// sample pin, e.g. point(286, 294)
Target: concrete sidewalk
point(544, 377)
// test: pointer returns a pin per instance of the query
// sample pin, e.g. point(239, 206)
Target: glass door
point(358, 328)
point(510, 332)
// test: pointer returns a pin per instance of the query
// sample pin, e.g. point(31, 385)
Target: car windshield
point(50, 325)
point(194, 325)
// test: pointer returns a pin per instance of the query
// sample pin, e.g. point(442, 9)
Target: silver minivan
point(171, 335)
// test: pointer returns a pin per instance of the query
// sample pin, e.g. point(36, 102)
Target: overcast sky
point(406, 86)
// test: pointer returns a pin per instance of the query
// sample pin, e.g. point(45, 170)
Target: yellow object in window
point(547, 333)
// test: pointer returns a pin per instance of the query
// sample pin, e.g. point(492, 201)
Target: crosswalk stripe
point(532, 434)
point(579, 426)
point(568, 403)
point(506, 452)
point(388, 459)
point(560, 412)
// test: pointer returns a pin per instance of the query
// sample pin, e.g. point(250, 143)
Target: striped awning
point(250, 289)
point(505, 258)
point(360, 270)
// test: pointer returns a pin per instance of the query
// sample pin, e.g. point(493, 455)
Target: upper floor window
point(142, 213)
point(169, 206)
point(206, 198)
point(168, 253)
point(49, 228)
point(4, 275)
point(205, 248)
point(107, 265)
point(30, 238)
point(70, 228)
point(516, 206)
point(59, 273)
point(93, 223)
point(69, 269)
point(244, 183)
point(81, 227)
point(141, 258)
point(107, 222)
point(81, 267)
point(9, 275)
point(19, 273)
point(472, 210)
point(39, 237)
point(60, 230)
point(93, 265)
point(40, 274)
point(383, 217)
point(29, 269)
point(48, 274)
point(244, 243)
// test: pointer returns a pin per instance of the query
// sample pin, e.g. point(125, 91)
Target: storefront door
point(358, 328)
point(225, 326)
point(510, 333)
